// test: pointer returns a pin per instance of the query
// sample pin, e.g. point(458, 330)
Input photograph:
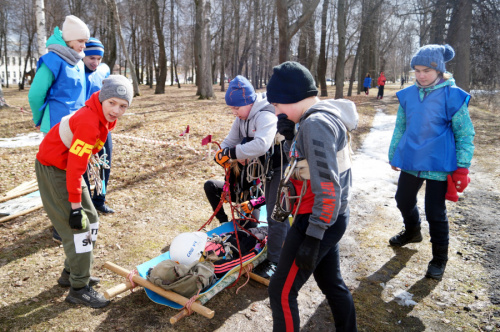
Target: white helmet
point(187, 248)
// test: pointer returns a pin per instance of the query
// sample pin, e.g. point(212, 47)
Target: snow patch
point(404, 298)
point(31, 139)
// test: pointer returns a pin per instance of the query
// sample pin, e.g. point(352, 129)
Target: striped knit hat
point(94, 47)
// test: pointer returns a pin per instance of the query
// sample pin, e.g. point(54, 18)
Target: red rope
point(190, 302)
point(130, 278)
point(226, 197)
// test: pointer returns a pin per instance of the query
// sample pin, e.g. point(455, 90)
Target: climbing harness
point(237, 222)
point(95, 171)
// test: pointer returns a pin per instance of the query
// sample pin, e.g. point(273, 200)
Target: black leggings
point(435, 205)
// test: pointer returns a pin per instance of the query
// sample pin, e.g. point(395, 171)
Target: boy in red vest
point(60, 163)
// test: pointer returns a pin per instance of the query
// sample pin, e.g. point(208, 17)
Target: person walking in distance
point(381, 84)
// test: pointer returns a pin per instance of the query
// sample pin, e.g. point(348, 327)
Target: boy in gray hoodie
point(252, 135)
point(321, 175)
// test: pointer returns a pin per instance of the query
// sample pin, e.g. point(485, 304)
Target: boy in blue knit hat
point(432, 142)
point(252, 142)
point(95, 73)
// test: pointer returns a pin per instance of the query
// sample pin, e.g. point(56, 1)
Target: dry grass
point(157, 191)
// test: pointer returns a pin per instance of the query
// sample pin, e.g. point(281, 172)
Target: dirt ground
point(157, 190)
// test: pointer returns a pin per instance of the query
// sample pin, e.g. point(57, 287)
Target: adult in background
point(367, 83)
point(381, 84)
point(95, 73)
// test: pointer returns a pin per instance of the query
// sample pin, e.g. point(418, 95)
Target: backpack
point(182, 279)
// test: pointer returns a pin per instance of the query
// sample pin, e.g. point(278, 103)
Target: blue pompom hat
point(433, 56)
point(240, 92)
point(94, 47)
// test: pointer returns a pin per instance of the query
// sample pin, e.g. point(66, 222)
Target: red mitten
point(451, 193)
point(461, 179)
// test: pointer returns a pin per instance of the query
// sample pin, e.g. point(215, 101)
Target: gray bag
point(182, 279)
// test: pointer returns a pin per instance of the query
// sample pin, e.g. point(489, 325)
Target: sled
point(176, 301)
point(19, 201)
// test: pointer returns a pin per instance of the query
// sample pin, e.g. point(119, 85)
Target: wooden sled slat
point(22, 213)
point(196, 306)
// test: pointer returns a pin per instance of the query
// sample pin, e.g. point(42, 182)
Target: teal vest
point(67, 93)
point(428, 143)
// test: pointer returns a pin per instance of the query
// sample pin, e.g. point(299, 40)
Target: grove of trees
point(158, 42)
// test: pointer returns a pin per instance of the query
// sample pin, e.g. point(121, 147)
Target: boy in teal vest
point(432, 142)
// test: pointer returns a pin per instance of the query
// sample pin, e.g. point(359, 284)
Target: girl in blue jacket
point(432, 142)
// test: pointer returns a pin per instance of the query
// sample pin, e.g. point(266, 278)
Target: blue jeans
point(289, 279)
point(435, 205)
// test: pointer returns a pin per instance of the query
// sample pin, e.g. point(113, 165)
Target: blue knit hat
point(94, 47)
point(240, 92)
point(433, 56)
point(290, 83)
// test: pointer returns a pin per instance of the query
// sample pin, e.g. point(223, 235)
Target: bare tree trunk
point(162, 56)
point(341, 31)
point(198, 32)
point(114, 8)
point(256, 43)
point(236, 44)
point(286, 30)
point(205, 79)
point(109, 40)
point(5, 54)
point(438, 22)
point(172, 31)
point(3, 103)
point(222, 52)
point(40, 28)
point(459, 38)
point(322, 61)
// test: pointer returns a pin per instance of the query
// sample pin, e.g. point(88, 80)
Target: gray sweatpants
point(276, 230)
point(77, 243)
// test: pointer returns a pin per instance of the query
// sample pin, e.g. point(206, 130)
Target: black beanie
point(291, 82)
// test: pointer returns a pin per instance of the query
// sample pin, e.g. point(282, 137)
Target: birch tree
point(41, 31)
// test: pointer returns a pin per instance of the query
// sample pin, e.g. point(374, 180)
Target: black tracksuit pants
point(289, 279)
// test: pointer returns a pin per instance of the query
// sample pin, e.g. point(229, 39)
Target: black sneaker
point(55, 236)
point(406, 236)
point(64, 280)
point(266, 269)
point(86, 296)
point(104, 209)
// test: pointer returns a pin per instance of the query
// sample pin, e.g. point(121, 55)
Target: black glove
point(308, 253)
point(285, 126)
point(77, 218)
